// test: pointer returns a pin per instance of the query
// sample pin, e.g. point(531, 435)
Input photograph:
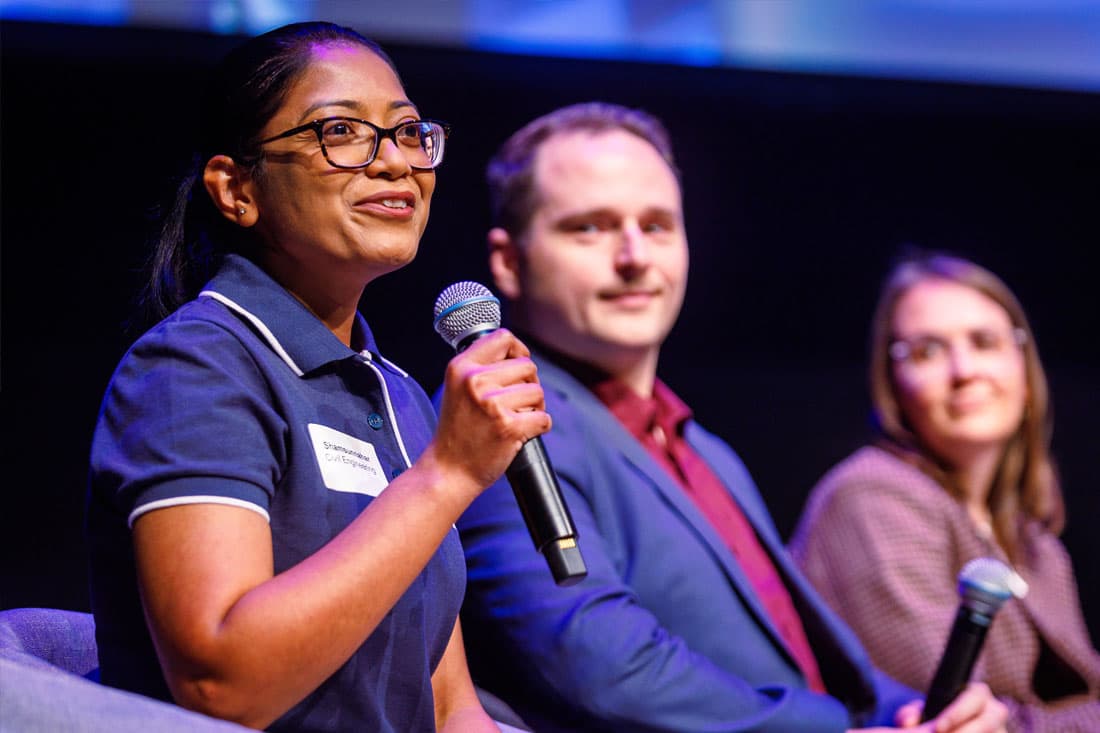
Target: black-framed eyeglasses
point(347, 142)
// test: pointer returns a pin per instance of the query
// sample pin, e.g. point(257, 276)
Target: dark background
point(798, 191)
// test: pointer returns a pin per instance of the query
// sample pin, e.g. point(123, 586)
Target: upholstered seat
point(48, 672)
point(48, 668)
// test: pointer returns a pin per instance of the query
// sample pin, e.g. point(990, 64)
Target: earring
point(240, 211)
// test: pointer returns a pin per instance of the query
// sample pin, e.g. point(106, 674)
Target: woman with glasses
point(272, 502)
point(961, 469)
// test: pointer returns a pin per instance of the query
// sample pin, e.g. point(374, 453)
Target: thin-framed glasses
point(929, 350)
point(347, 142)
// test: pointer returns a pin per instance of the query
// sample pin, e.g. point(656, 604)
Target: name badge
point(347, 463)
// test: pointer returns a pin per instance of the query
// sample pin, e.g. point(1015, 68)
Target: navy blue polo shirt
point(243, 397)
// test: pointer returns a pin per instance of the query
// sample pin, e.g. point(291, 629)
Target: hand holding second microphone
point(953, 702)
point(974, 710)
point(985, 584)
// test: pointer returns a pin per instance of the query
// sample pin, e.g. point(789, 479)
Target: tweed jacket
point(884, 543)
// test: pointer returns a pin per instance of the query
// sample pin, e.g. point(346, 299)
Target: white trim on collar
point(260, 326)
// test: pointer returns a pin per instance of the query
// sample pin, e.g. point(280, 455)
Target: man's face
point(601, 271)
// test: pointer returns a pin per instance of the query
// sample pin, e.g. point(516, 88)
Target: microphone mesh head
point(986, 583)
point(463, 309)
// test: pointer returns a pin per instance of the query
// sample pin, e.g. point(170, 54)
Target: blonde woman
point(961, 469)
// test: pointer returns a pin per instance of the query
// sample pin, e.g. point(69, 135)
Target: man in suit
point(692, 617)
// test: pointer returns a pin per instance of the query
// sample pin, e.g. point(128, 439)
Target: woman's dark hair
point(244, 92)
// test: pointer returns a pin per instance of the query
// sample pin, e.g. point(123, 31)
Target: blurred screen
point(1030, 43)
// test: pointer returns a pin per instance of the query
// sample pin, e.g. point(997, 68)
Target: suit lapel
point(668, 490)
point(836, 648)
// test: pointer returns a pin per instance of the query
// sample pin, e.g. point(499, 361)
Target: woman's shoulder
point(873, 500)
point(200, 338)
point(198, 324)
point(200, 313)
point(873, 476)
point(873, 466)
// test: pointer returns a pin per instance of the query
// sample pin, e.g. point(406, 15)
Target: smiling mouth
point(969, 405)
point(630, 294)
point(394, 206)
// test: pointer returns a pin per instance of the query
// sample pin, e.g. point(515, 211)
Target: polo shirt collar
point(291, 330)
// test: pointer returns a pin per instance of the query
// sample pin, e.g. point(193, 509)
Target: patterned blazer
point(884, 543)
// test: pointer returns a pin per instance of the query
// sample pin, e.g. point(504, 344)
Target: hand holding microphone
point(984, 586)
point(464, 312)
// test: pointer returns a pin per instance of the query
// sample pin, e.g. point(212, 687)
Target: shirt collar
point(638, 414)
point(291, 328)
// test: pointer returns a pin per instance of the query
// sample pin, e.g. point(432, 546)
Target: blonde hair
point(1025, 486)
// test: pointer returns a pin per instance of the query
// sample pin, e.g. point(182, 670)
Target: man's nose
point(634, 249)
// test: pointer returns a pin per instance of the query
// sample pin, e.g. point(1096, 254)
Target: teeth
point(395, 203)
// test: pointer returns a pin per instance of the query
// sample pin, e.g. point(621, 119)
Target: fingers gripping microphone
point(464, 312)
point(984, 585)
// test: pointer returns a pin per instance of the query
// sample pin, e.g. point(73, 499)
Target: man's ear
point(504, 262)
point(230, 188)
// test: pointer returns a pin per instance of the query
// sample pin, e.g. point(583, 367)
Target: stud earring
point(240, 211)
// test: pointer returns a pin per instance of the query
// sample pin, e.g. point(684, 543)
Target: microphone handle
point(545, 513)
point(543, 509)
point(963, 646)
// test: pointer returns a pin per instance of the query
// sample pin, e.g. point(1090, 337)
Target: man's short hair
point(511, 173)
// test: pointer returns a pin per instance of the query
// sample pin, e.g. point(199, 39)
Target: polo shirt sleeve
point(188, 418)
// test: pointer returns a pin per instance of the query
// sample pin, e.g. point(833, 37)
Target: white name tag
point(347, 463)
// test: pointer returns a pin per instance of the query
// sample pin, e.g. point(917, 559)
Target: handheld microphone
point(464, 312)
point(984, 585)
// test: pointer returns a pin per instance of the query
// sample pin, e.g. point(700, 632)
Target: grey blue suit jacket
point(665, 633)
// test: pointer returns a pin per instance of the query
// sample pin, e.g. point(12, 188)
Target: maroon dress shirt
point(658, 423)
